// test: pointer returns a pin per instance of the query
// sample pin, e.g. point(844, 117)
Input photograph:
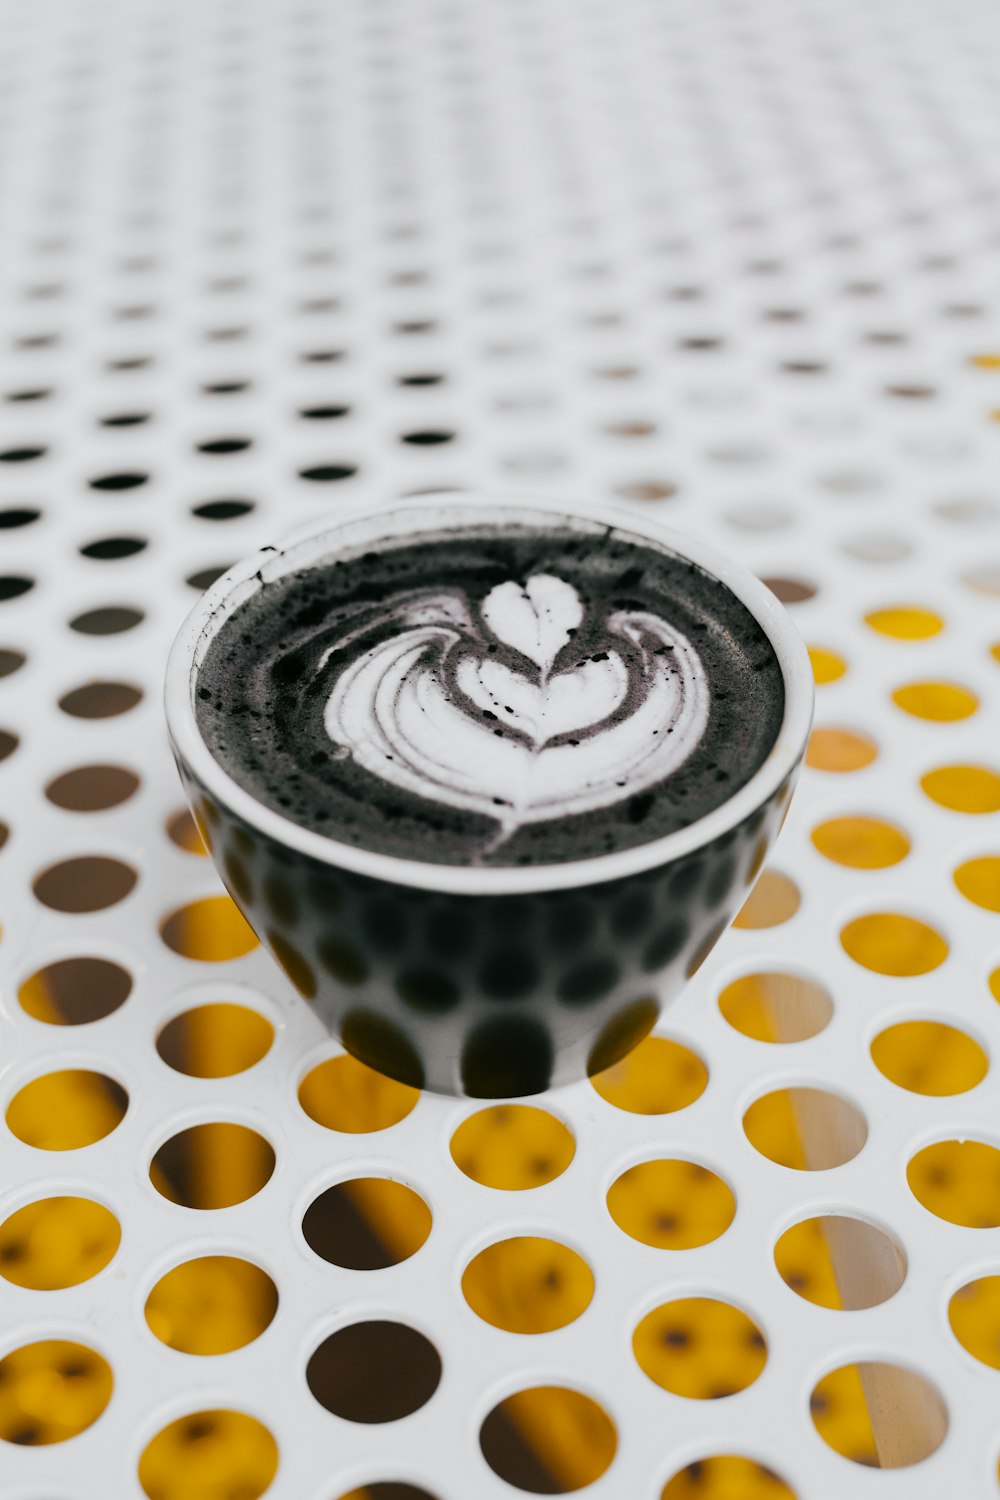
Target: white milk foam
point(421, 709)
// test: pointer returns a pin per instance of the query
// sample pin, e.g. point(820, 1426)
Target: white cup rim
point(307, 545)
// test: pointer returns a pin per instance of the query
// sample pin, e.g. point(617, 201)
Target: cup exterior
point(485, 995)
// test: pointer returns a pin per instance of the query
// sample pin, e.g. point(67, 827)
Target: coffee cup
point(482, 977)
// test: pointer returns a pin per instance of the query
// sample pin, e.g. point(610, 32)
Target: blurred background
point(732, 263)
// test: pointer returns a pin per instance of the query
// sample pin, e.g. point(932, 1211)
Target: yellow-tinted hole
point(512, 1147)
point(183, 831)
point(209, 1455)
point(928, 1057)
point(57, 1242)
point(548, 1440)
point(995, 651)
point(63, 1111)
point(390, 1489)
point(827, 665)
point(979, 881)
point(943, 702)
point(879, 1415)
point(345, 1094)
point(775, 1007)
point(994, 983)
point(905, 622)
point(700, 1348)
point(893, 944)
point(75, 991)
point(861, 843)
point(840, 750)
point(974, 1315)
point(211, 1305)
point(367, 1223)
point(215, 1041)
point(838, 1262)
point(671, 1205)
point(655, 1078)
point(774, 899)
point(211, 930)
point(726, 1476)
point(50, 1391)
point(808, 1130)
point(958, 1181)
point(528, 1285)
point(212, 1166)
point(985, 361)
point(964, 789)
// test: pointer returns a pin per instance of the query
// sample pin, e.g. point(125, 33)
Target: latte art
point(493, 694)
point(491, 710)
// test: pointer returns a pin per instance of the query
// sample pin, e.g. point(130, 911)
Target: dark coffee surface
point(511, 697)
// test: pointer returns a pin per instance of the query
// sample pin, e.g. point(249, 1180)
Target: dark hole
point(219, 446)
point(41, 394)
point(126, 419)
point(75, 991)
point(226, 387)
point(112, 619)
point(374, 1372)
point(791, 590)
point(89, 883)
point(338, 1229)
point(328, 473)
point(324, 413)
point(10, 661)
point(100, 700)
point(109, 548)
point(113, 483)
point(8, 743)
point(136, 362)
point(421, 379)
point(514, 1456)
point(13, 585)
point(205, 577)
point(222, 510)
point(17, 516)
point(428, 438)
point(37, 341)
point(92, 788)
point(322, 356)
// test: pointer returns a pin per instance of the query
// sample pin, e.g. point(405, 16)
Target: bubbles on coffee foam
point(483, 706)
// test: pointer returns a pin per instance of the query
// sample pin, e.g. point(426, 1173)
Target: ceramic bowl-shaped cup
point(485, 980)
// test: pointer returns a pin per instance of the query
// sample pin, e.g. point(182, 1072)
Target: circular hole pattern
point(75, 991)
point(345, 1094)
point(211, 930)
point(17, 516)
point(90, 789)
point(840, 750)
point(974, 1315)
point(775, 1007)
point(958, 1181)
point(939, 702)
point(548, 1440)
point(88, 883)
point(963, 788)
point(66, 1110)
point(215, 1040)
point(911, 1424)
point(57, 1242)
point(512, 1147)
point(11, 661)
point(671, 1204)
point(905, 622)
point(657, 1077)
point(211, 1305)
point(929, 1057)
point(861, 843)
point(100, 700)
point(111, 619)
point(207, 1455)
point(14, 585)
point(894, 944)
point(366, 1223)
point(53, 1390)
point(840, 1262)
point(774, 899)
point(827, 665)
point(215, 1165)
point(182, 830)
point(112, 548)
point(374, 1372)
point(528, 1285)
point(389, 1489)
point(726, 1476)
point(979, 881)
point(700, 1348)
point(806, 1129)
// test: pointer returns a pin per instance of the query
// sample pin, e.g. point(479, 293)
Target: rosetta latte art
point(486, 707)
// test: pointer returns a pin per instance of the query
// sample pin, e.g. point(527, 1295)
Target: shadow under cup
point(489, 981)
